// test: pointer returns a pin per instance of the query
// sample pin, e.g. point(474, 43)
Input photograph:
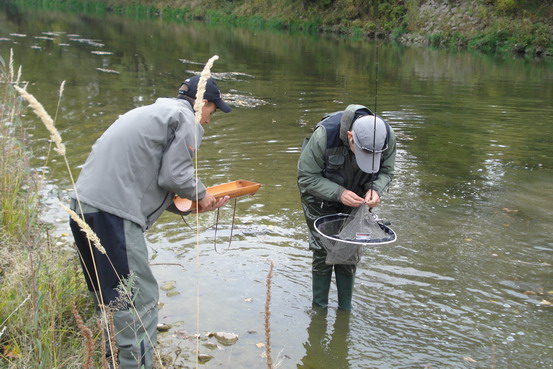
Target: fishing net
point(343, 235)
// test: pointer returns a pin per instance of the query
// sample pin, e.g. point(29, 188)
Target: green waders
point(344, 284)
point(322, 276)
point(321, 287)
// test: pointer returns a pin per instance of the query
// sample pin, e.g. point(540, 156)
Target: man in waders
point(347, 162)
point(132, 174)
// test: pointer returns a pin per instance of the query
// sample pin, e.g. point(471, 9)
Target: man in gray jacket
point(347, 162)
point(131, 176)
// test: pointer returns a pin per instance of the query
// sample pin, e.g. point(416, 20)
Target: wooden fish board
point(232, 189)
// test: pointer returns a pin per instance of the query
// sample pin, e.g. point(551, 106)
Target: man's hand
point(350, 198)
point(372, 198)
point(209, 202)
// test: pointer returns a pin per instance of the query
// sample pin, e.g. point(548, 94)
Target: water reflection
point(326, 347)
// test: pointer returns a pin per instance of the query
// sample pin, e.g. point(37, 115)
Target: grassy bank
point(41, 280)
point(490, 26)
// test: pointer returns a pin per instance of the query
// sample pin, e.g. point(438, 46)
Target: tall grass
point(40, 281)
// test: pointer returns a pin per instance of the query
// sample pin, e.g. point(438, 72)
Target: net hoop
point(325, 218)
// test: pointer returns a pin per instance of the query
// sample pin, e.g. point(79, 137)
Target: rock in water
point(224, 338)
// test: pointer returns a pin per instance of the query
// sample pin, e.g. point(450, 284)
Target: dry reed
point(59, 99)
point(44, 117)
point(85, 228)
point(103, 358)
point(18, 75)
point(198, 107)
point(17, 308)
point(268, 318)
point(109, 330)
point(111, 339)
point(11, 65)
point(204, 76)
point(87, 335)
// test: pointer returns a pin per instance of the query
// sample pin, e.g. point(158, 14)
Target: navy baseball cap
point(212, 92)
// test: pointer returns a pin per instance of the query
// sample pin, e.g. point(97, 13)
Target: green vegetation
point(41, 280)
point(520, 26)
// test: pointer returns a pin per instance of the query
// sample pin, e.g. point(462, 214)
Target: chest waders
point(342, 169)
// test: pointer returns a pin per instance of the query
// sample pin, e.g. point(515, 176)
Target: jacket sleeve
point(311, 166)
point(177, 173)
point(387, 166)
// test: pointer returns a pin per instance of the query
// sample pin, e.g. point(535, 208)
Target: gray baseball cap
point(370, 139)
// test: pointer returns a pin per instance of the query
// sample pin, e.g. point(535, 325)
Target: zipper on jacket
point(159, 207)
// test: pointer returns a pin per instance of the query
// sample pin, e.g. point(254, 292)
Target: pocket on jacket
point(335, 161)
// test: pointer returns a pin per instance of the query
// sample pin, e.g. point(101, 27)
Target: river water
point(469, 281)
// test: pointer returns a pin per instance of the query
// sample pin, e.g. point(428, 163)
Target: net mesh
point(343, 235)
point(361, 225)
point(338, 252)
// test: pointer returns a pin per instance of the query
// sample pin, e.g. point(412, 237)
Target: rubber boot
point(321, 287)
point(344, 284)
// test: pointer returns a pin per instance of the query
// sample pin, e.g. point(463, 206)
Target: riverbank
point(523, 27)
point(42, 287)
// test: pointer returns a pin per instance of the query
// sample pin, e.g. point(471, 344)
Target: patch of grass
point(457, 41)
point(436, 39)
point(397, 32)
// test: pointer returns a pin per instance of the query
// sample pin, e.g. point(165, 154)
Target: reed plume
point(85, 228)
point(59, 100)
point(61, 89)
point(11, 66)
point(18, 75)
point(204, 76)
point(45, 118)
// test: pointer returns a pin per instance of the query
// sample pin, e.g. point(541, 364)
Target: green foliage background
point(521, 26)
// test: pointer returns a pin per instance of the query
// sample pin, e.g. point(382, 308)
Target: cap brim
point(368, 162)
point(221, 105)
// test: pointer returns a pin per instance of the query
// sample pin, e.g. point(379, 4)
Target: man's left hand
point(212, 203)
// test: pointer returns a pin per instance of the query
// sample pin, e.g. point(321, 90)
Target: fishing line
point(232, 225)
point(231, 229)
point(215, 235)
point(185, 222)
point(375, 104)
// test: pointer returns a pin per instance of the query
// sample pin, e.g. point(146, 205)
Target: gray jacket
point(142, 160)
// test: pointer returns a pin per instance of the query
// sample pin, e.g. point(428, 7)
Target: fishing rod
point(375, 104)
